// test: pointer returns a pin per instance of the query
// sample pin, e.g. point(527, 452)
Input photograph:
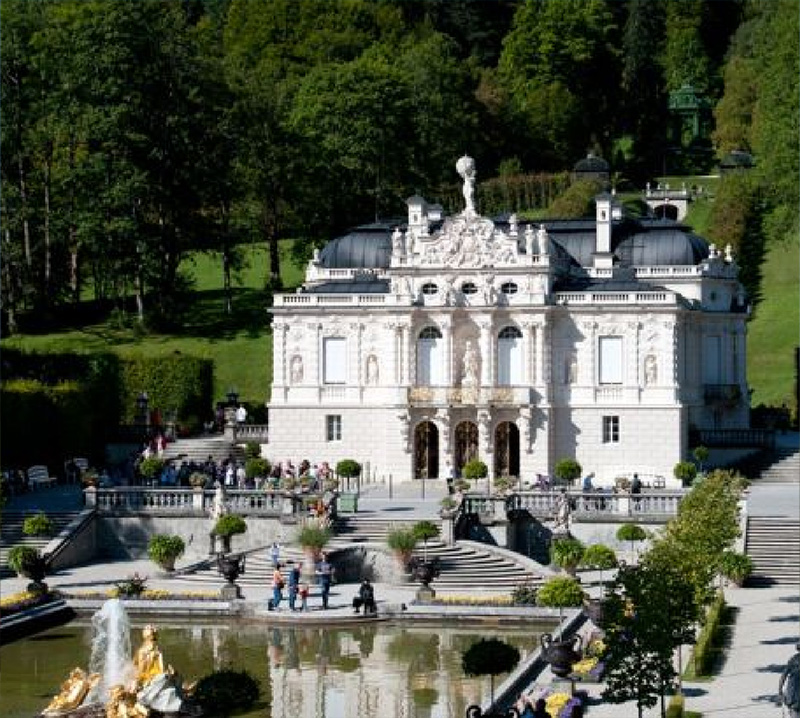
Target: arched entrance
point(666, 211)
point(426, 451)
point(506, 449)
point(466, 444)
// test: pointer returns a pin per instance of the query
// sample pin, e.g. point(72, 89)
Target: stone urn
point(35, 569)
point(561, 654)
point(231, 566)
point(425, 571)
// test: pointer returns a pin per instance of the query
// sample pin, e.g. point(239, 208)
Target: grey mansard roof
point(643, 242)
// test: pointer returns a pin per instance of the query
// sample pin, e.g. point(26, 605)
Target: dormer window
point(429, 289)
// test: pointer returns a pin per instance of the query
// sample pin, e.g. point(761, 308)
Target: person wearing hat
point(789, 685)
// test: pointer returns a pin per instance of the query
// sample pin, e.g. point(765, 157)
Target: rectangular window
point(334, 350)
point(333, 427)
point(712, 360)
point(610, 429)
point(610, 360)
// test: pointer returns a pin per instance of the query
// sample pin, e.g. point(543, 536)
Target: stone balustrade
point(190, 502)
point(592, 506)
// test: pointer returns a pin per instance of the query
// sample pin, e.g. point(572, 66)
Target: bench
point(39, 476)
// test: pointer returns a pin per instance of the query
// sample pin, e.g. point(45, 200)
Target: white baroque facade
point(415, 346)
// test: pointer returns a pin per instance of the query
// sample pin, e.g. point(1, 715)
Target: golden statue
point(158, 686)
point(123, 704)
point(73, 692)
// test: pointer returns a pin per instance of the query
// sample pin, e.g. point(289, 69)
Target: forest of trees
point(134, 133)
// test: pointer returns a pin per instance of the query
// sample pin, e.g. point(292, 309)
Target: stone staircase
point(200, 448)
point(11, 533)
point(784, 468)
point(464, 566)
point(773, 544)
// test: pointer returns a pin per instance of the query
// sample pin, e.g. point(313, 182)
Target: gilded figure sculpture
point(73, 692)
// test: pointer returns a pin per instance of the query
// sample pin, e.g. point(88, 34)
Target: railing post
point(198, 496)
point(90, 497)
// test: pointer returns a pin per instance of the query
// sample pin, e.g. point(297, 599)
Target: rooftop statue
point(466, 168)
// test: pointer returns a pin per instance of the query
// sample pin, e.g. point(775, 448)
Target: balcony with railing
point(469, 396)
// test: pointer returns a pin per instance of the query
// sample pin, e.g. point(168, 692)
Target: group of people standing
point(294, 585)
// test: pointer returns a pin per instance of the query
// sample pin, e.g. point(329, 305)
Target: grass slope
point(240, 344)
point(774, 329)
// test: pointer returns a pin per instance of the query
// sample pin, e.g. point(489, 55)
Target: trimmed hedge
point(177, 382)
point(66, 404)
point(705, 649)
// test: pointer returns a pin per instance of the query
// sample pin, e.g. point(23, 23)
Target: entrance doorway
point(426, 451)
point(506, 449)
point(466, 444)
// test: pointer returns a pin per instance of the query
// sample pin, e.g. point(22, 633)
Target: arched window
point(430, 357)
point(509, 357)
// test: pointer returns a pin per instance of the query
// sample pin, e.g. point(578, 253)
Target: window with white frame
point(610, 429)
point(509, 357)
point(334, 351)
point(333, 427)
point(430, 357)
point(610, 369)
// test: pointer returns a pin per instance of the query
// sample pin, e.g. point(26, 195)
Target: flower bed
point(471, 601)
point(24, 600)
point(558, 703)
point(147, 595)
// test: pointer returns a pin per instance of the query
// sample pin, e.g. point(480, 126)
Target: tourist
point(636, 485)
point(789, 685)
point(587, 484)
point(450, 476)
point(304, 590)
point(293, 585)
point(325, 574)
point(277, 588)
point(540, 709)
point(230, 475)
point(275, 553)
point(365, 598)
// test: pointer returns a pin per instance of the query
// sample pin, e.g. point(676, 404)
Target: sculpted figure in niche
point(466, 168)
point(398, 245)
point(543, 239)
point(650, 370)
point(470, 375)
point(296, 370)
point(372, 370)
point(529, 240)
point(571, 370)
point(489, 294)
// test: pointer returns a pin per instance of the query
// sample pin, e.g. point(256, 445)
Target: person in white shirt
point(241, 414)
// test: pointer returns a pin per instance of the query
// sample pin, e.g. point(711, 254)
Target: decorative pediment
point(468, 242)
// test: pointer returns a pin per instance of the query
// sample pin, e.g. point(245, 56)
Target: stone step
point(773, 544)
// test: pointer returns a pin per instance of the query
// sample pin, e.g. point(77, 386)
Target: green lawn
point(240, 344)
point(773, 329)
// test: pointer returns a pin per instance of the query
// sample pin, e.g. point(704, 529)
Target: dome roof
point(661, 243)
point(591, 163)
point(365, 247)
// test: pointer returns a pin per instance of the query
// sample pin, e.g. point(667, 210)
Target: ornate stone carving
point(469, 377)
point(373, 371)
point(650, 370)
point(466, 168)
point(296, 369)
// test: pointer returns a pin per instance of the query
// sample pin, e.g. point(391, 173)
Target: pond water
point(377, 670)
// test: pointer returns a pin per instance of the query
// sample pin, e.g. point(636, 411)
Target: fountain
point(117, 685)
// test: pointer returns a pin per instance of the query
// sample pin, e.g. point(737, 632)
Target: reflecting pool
point(376, 670)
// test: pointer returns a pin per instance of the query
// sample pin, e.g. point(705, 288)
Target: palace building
point(414, 346)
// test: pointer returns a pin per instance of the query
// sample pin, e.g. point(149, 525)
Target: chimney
point(605, 206)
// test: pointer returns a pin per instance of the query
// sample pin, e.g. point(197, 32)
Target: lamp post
point(141, 406)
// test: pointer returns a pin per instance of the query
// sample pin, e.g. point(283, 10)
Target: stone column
point(405, 372)
point(487, 354)
point(528, 348)
point(444, 424)
point(447, 338)
point(485, 448)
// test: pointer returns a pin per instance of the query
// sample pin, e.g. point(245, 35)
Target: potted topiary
point(402, 541)
point(599, 557)
point(424, 531)
point(735, 567)
point(312, 537)
point(227, 526)
point(151, 468)
point(567, 470)
point(198, 480)
point(685, 471)
point(632, 533)
point(448, 507)
point(566, 553)
point(164, 550)
point(475, 470)
point(37, 525)
point(348, 469)
point(491, 657)
point(28, 562)
point(256, 468)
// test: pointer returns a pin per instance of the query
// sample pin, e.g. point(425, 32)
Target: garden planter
point(561, 654)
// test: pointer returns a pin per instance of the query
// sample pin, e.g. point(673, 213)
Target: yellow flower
point(555, 702)
point(584, 666)
point(15, 598)
point(596, 648)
